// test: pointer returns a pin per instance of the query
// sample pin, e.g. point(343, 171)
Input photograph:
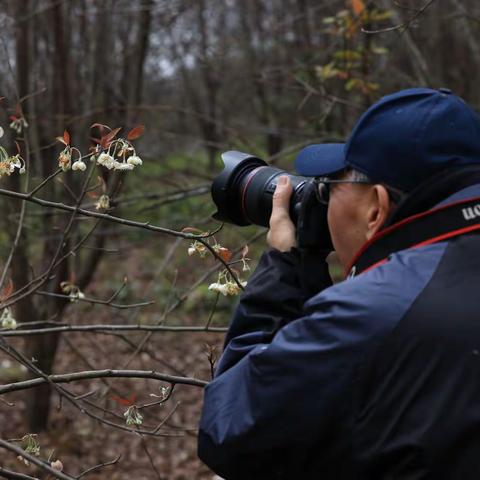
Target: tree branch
point(19, 332)
point(73, 377)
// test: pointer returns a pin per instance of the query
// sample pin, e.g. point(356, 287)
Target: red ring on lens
point(244, 191)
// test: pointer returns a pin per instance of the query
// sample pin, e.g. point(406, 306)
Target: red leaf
point(66, 137)
point(106, 139)
point(93, 194)
point(121, 401)
point(136, 132)
point(224, 253)
point(358, 6)
point(7, 291)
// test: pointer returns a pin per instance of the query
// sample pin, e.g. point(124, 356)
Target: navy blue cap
point(402, 140)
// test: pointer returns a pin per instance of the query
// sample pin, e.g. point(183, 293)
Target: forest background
point(105, 267)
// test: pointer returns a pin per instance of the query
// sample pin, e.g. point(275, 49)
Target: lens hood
point(226, 186)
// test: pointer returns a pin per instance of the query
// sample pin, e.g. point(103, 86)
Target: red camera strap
point(435, 225)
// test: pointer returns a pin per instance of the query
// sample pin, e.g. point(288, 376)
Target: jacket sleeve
point(274, 296)
point(258, 402)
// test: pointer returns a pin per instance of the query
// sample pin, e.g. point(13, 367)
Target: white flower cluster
point(65, 160)
point(227, 288)
point(7, 320)
point(72, 291)
point(119, 155)
point(226, 285)
point(18, 124)
point(103, 202)
point(31, 446)
point(108, 161)
point(8, 163)
point(197, 247)
point(133, 416)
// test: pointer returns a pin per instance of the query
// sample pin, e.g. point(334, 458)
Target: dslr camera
point(243, 194)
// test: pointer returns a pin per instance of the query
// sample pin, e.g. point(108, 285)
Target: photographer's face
point(355, 213)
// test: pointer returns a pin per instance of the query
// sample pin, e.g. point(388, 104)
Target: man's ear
point(378, 210)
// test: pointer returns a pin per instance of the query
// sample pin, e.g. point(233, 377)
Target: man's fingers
point(282, 230)
point(281, 198)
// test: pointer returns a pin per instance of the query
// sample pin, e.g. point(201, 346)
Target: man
point(376, 377)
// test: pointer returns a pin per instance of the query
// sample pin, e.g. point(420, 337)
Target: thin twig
point(167, 418)
point(152, 463)
point(96, 467)
point(403, 26)
point(44, 182)
point(214, 308)
point(15, 475)
point(95, 301)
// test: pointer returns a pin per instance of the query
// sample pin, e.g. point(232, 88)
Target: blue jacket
point(375, 377)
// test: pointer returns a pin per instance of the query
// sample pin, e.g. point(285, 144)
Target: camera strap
point(435, 225)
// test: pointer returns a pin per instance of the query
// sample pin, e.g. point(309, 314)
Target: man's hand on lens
point(281, 235)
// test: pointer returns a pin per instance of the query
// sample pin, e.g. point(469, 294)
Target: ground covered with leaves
point(81, 442)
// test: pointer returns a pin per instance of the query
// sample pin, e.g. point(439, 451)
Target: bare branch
point(15, 475)
point(35, 460)
point(109, 328)
point(87, 375)
point(103, 216)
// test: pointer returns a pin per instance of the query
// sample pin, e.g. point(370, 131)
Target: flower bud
point(103, 203)
point(79, 165)
point(7, 320)
point(57, 465)
point(134, 160)
point(123, 166)
point(107, 161)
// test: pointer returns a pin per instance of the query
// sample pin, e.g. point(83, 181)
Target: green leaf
point(329, 20)
point(378, 16)
point(380, 50)
point(347, 55)
point(351, 84)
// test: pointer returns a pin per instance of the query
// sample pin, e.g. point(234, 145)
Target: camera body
point(243, 194)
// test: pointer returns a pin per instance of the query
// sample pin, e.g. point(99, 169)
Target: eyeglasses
point(322, 187)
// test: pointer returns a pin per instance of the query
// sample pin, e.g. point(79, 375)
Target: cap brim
point(320, 160)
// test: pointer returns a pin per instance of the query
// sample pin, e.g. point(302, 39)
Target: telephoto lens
point(243, 194)
point(243, 191)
